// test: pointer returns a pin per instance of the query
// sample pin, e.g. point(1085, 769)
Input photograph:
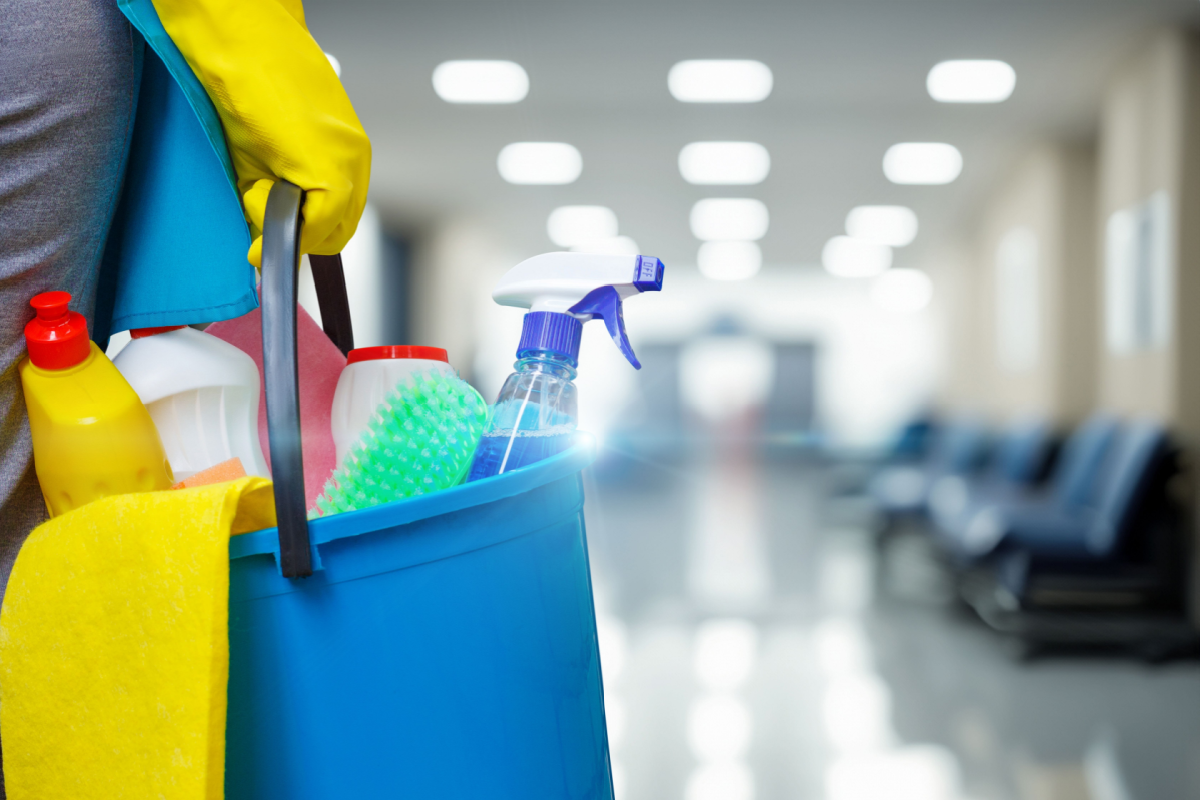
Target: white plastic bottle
point(202, 394)
point(370, 373)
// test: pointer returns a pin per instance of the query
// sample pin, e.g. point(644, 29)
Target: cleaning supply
point(114, 654)
point(420, 440)
point(445, 651)
point(92, 437)
point(535, 415)
point(202, 394)
point(229, 470)
point(370, 374)
point(320, 364)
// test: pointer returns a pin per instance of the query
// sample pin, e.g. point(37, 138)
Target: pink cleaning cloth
point(321, 364)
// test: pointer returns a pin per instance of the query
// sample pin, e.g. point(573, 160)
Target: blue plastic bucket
point(444, 647)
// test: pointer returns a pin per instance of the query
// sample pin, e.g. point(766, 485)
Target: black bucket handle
point(280, 270)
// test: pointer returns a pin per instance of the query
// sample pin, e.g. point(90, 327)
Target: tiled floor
point(756, 647)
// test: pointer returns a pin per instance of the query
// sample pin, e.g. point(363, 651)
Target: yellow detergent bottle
point(92, 437)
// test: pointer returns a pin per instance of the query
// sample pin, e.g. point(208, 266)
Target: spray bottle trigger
point(605, 303)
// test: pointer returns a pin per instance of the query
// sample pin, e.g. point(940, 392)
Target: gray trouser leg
point(69, 72)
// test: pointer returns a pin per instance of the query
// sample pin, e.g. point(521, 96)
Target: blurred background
point(900, 506)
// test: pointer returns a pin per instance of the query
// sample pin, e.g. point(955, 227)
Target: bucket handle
point(280, 269)
point(330, 280)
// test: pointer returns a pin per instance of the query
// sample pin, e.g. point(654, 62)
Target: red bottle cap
point(397, 351)
point(56, 338)
point(142, 333)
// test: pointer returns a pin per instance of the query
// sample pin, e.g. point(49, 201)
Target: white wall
point(1019, 299)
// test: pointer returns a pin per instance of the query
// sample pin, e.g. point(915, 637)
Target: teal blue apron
point(176, 252)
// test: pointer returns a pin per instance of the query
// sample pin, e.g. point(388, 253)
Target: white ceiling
point(849, 82)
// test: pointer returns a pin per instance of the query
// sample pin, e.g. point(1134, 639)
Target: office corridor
point(758, 645)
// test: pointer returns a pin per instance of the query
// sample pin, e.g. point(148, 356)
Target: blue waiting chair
point(1098, 532)
point(975, 534)
point(1020, 457)
point(913, 441)
point(1119, 548)
point(959, 448)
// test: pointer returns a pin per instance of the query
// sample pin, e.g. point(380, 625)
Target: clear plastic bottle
point(534, 417)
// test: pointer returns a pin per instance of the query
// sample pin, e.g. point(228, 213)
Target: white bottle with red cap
point(202, 394)
point(370, 374)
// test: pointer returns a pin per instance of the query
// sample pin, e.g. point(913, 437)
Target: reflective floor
point(757, 645)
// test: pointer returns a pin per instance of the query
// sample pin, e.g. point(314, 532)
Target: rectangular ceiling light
point(847, 257)
point(480, 82)
point(724, 163)
point(720, 81)
point(895, 226)
point(976, 81)
point(545, 163)
point(729, 219)
point(929, 163)
point(571, 226)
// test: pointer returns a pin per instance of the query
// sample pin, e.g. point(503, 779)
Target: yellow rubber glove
point(285, 113)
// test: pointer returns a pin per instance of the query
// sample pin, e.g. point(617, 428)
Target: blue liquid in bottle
point(500, 451)
point(533, 419)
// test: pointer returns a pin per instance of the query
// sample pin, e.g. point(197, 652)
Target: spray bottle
point(535, 415)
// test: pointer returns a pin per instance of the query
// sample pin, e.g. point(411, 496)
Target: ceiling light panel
point(976, 81)
point(724, 163)
point(847, 257)
point(545, 163)
point(729, 218)
point(720, 81)
point(895, 226)
point(480, 82)
point(928, 163)
point(729, 261)
point(571, 226)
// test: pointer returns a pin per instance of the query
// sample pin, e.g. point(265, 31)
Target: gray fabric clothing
point(69, 75)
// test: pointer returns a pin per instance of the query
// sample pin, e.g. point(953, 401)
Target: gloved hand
point(285, 113)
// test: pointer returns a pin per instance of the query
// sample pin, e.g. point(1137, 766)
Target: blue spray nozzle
point(605, 303)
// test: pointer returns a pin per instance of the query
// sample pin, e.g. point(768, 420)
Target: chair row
point(1098, 532)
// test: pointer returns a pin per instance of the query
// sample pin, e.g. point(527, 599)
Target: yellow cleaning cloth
point(114, 648)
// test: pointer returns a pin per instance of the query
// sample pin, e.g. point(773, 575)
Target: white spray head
point(581, 286)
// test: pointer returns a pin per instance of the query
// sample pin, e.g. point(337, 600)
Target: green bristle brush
point(421, 439)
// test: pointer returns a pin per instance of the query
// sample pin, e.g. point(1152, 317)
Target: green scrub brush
point(421, 439)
